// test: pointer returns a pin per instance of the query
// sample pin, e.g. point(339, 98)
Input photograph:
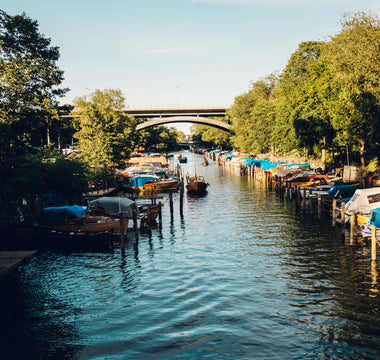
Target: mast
point(195, 169)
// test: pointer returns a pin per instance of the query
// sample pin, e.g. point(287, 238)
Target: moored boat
point(204, 162)
point(75, 218)
point(196, 184)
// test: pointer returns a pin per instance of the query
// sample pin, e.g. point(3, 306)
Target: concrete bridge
point(189, 115)
point(174, 115)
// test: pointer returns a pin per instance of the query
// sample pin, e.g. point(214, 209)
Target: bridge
point(174, 115)
point(190, 115)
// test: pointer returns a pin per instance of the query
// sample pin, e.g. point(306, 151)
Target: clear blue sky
point(186, 53)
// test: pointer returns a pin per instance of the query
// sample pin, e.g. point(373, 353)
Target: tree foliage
point(106, 133)
point(29, 81)
point(327, 95)
point(353, 57)
point(253, 115)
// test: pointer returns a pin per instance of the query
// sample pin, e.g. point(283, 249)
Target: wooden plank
point(10, 260)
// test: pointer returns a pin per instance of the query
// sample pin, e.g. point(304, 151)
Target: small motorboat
point(183, 159)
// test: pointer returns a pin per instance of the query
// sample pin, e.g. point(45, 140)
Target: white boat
point(362, 202)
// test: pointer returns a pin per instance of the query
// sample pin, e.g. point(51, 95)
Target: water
point(242, 275)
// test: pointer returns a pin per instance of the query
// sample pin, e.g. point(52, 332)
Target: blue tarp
point(342, 191)
point(375, 217)
point(141, 180)
point(57, 215)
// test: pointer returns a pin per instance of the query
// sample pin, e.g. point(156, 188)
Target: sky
point(179, 53)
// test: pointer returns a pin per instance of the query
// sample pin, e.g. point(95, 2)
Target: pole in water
point(122, 230)
point(373, 242)
point(171, 205)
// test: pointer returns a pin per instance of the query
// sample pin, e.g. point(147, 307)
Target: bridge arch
point(190, 119)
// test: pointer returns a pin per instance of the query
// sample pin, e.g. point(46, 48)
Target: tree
point(29, 81)
point(353, 57)
point(303, 110)
point(210, 137)
point(29, 88)
point(106, 134)
point(253, 115)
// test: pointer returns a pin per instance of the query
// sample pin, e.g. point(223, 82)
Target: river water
point(244, 274)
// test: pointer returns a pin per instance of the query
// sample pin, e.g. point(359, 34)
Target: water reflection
point(243, 273)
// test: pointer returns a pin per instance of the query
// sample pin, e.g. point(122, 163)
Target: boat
point(161, 185)
point(113, 206)
point(374, 220)
point(183, 159)
point(361, 203)
point(196, 184)
point(137, 182)
point(204, 162)
point(76, 218)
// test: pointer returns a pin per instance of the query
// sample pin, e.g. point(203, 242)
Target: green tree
point(29, 88)
point(303, 113)
point(29, 81)
point(253, 115)
point(354, 62)
point(106, 134)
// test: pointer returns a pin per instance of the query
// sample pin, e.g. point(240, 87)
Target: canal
point(243, 274)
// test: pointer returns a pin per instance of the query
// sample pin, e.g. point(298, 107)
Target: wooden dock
point(10, 260)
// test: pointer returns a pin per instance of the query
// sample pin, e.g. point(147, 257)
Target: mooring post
point(343, 213)
point(373, 242)
point(319, 197)
point(171, 205)
point(160, 214)
point(352, 228)
point(121, 215)
point(135, 227)
point(181, 197)
point(334, 212)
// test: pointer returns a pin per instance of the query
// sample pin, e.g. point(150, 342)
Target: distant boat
point(183, 159)
point(204, 162)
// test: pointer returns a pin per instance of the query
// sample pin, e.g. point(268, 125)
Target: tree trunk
point(47, 136)
point(362, 162)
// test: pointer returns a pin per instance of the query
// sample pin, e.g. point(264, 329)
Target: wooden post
point(171, 205)
point(343, 212)
point(334, 211)
point(304, 195)
point(352, 228)
point(373, 243)
point(160, 214)
point(319, 197)
point(181, 197)
point(121, 215)
point(135, 227)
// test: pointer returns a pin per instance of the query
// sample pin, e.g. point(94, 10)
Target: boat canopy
point(57, 215)
point(141, 180)
point(342, 191)
point(375, 217)
point(364, 200)
point(115, 205)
